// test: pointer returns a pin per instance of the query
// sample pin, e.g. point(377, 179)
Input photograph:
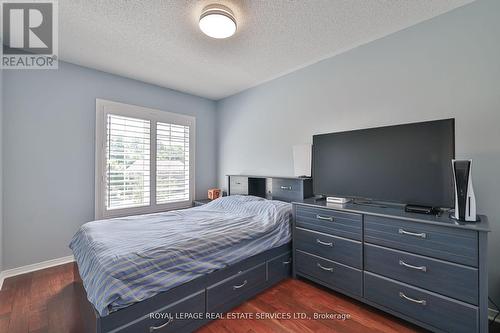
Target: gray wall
point(48, 157)
point(446, 67)
point(1, 167)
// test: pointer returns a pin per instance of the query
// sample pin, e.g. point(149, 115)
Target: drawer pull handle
point(289, 188)
point(241, 285)
point(423, 301)
point(404, 232)
point(329, 269)
point(418, 268)
point(287, 262)
point(155, 328)
point(238, 183)
point(323, 243)
point(326, 218)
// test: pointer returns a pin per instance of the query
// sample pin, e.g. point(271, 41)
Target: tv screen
point(408, 164)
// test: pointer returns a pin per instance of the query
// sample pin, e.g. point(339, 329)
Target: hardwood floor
point(40, 302)
point(45, 302)
point(298, 296)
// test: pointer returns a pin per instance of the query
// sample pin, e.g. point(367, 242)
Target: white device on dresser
point(465, 200)
point(338, 200)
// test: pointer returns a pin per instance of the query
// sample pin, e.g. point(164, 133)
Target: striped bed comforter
point(126, 260)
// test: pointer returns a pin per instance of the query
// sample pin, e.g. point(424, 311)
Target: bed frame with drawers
point(212, 294)
point(277, 188)
point(429, 270)
point(193, 304)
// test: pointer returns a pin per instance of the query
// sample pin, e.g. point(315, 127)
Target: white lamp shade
point(217, 21)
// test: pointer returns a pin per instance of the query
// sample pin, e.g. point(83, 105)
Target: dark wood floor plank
point(19, 315)
point(63, 311)
point(6, 301)
point(42, 289)
point(4, 323)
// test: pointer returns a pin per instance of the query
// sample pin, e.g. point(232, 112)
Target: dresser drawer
point(279, 268)
point(451, 244)
point(449, 279)
point(335, 275)
point(342, 250)
point(169, 318)
point(287, 189)
point(329, 221)
point(235, 288)
point(438, 311)
point(238, 185)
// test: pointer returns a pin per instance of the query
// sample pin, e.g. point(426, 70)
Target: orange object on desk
point(213, 193)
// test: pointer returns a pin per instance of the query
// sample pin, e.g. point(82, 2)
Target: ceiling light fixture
point(217, 21)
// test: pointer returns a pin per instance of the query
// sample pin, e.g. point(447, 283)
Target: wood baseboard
point(34, 267)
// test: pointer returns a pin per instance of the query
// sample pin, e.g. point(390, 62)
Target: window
point(172, 163)
point(144, 160)
point(127, 162)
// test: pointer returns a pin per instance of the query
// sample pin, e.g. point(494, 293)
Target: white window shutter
point(172, 163)
point(127, 162)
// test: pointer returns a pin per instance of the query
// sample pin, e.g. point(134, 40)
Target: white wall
point(48, 157)
point(442, 68)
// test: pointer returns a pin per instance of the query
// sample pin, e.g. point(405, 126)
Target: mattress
point(126, 260)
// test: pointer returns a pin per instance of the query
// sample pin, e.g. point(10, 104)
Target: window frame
point(105, 107)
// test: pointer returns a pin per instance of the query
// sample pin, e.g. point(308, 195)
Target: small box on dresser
point(429, 270)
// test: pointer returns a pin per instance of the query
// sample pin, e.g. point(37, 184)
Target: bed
point(175, 271)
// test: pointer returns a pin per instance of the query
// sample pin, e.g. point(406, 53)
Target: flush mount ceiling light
point(217, 21)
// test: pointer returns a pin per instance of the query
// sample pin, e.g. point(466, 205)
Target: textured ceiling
point(158, 41)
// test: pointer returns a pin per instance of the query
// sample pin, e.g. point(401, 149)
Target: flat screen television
point(407, 164)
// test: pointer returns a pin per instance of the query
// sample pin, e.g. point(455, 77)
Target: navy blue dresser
point(429, 270)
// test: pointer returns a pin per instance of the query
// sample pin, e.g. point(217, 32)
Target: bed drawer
point(279, 268)
point(342, 250)
point(451, 244)
point(335, 275)
point(235, 288)
point(453, 280)
point(330, 221)
point(238, 185)
point(287, 189)
point(171, 318)
point(438, 311)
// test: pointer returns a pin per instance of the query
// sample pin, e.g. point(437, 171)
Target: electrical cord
point(498, 311)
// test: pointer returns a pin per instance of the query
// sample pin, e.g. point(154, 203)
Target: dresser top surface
point(398, 212)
